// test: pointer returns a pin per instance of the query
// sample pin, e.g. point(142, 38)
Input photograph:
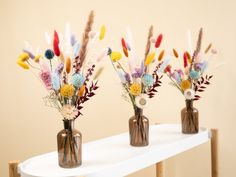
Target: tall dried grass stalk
point(148, 45)
point(198, 48)
point(83, 50)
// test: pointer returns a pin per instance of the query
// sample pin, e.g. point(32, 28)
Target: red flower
point(56, 44)
point(158, 41)
point(185, 59)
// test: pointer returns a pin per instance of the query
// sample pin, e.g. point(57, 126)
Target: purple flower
point(197, 66)
point(138, 73)
point(59, 68)
point(72, 40)
point(29, 53)
point(127, 77)
point(181, 73)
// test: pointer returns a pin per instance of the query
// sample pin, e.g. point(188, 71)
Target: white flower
point(141, 101)
point(189, 94)
point(68, 111)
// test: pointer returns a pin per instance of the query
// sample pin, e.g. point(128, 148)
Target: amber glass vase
point(69, 144)
point(189, 118)
point(139, 129)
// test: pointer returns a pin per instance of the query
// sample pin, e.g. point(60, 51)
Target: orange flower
point(68, 65)
point(81, 91)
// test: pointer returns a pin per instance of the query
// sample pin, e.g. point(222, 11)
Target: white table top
point(113, 156)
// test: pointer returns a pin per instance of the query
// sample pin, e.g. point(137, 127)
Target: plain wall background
point(28, 128)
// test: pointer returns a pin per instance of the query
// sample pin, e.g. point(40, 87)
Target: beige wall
point(28, 128)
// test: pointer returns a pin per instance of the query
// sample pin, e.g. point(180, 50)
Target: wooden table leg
point(159, 169)
point(214, 153)
point(13, 165)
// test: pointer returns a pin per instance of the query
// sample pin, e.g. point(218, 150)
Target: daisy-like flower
point(67, 91)
point(189, 94)
point(68, 111)
point(147, 80)
point(141, 101)
point(185, 84)
point(135, 89)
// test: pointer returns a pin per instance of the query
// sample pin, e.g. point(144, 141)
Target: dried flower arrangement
point(70, 79)
point(139, 80)
point(191, 78)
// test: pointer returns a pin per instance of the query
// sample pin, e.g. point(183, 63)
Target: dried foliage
point(200, 85)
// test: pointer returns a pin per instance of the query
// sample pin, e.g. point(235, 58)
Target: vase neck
point(138, 112)
point(68, 124)
point(189, 104)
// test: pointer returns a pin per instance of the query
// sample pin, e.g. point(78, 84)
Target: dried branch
point(89, 92)
point(157, 83)
point(201, 84)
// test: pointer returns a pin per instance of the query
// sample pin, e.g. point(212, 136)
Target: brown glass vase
point(139, 129)
point(69, 145)
point(189, 118)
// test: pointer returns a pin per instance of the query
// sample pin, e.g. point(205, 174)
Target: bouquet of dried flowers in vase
point(139, 80)
point(70, 78)
point(190, 80)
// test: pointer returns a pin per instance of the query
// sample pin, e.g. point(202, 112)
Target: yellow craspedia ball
point(185, 84)
point(67, 90)
point(115, 56)
point(135, 89)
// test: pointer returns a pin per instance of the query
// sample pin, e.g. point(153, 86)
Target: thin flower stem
point(32, 65)
point(51, 65)
point(121, 67)
point(175, 84)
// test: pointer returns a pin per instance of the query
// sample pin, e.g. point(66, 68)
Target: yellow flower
point(185, 84)
point(21, 60)
point(23, 64)
point(150, 58)
point(37, 58)
point(102, 32)
point(115, 56)
point(67, 91)
point(135, 89)
point(23, 57)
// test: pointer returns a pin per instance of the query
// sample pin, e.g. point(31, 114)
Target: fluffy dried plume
point(85, 40)
point(198, 48)
point(148, 45)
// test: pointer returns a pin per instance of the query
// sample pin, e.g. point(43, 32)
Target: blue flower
point(147, 80)
point(204, 66)
point(194, 74)
point(56, 81)
point(177, 77)
point(49, 54)
point(77, 80)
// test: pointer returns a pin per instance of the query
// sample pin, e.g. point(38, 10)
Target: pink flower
point(46, 78)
